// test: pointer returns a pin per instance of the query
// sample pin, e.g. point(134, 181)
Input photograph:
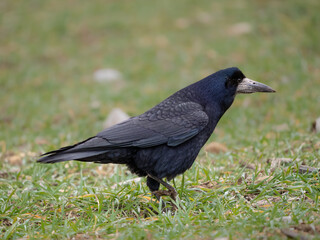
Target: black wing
point(160, 125)
point(164, 124)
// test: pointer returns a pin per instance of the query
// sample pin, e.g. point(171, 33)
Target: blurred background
point(51, 50)
point(64, 65)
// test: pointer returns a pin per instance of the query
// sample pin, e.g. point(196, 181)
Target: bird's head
point(237, 82)
point(222, 87)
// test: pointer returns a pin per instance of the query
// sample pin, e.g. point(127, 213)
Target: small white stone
point(240, 29)
point(116, 116)
point(107, 75)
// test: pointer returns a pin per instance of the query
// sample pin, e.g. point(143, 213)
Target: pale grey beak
point(249, 86)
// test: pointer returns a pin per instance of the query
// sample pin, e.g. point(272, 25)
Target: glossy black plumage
point(164, 141)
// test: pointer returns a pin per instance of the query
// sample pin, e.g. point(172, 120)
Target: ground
point(49, 51)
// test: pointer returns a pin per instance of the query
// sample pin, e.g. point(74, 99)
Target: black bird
point(164, 141)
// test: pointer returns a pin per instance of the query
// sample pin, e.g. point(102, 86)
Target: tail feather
point(87, 150)
point(88, 156)
point(68, 147)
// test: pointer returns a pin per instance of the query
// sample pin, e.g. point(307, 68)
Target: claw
point(171, 192)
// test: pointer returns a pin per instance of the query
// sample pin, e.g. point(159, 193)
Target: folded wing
point(159, 125)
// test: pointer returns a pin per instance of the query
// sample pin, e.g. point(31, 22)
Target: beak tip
point(269, 91)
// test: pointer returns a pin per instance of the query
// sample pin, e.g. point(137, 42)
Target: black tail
point(90, 150)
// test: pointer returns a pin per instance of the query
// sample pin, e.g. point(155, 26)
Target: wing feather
point(171, 126)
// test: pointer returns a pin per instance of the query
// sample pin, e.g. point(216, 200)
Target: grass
point(48, 53)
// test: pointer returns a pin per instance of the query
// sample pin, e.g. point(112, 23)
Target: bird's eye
point(239, 80)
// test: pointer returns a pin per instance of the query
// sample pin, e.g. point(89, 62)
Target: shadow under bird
point(164, 141)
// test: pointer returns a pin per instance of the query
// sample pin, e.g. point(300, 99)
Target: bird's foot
point(170, 192)
point(161, 193)
point(173, 194)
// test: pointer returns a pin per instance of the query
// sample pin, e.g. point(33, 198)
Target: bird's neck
point(214, 103)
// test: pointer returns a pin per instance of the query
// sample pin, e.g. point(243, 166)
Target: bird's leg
point(171, 190)
point(153, 186)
